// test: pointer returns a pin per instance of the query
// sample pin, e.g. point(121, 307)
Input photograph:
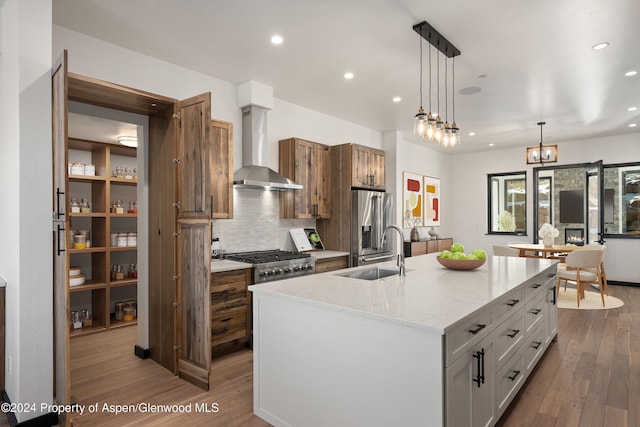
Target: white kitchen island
point(436, 347)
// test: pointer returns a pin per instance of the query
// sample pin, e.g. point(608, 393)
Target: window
point(622, 199)
point(507, 203)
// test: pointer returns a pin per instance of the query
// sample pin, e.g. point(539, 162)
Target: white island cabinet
point(436, 347)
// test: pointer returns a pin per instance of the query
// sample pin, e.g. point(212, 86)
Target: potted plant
point(548, 233)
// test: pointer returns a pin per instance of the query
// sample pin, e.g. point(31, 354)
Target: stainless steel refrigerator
point(370, 215)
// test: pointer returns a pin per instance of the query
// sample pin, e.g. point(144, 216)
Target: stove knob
point(309, 267)
point(268, 272)
point(296, 268)
point(287, 270)
point(280, 271)
point(262, 273)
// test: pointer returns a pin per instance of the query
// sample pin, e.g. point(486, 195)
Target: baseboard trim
point(142, 353)
point(615, 282)
point(45, 420)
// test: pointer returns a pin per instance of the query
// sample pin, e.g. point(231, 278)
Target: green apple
point(472, 256)
point(457, 247)
point(446, 254)
point(459, 255)
point(480, 254)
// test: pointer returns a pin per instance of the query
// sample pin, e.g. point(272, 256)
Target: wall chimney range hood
point(253, 173)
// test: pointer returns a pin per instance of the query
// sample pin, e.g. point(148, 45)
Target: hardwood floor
point(589, 377)
point(105, 370)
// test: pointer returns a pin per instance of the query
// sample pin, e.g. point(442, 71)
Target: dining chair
point(505, 251)
point(532, 254)
point(580, 267)
point(602, 275)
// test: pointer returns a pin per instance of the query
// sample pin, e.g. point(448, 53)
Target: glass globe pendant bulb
point(439, 129)
point(420, 123)
point(446, 134)
point(431, 125)
point(454, 138)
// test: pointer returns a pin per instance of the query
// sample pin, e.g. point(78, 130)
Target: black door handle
point(553, 301)
point(513, 302)
point(478, 329)
point(477, 379)
point(58, 238)
point(515, 375)
point(58, 194)
point(514, 333)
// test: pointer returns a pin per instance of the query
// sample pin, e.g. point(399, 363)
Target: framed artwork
point(412, 200)
point(432, 203)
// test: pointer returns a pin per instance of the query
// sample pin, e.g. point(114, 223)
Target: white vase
point(547, 242)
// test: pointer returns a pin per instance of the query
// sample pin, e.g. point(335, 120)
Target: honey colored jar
point(128, 314)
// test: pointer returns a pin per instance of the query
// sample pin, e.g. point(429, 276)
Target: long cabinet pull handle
point(514, 333)
point(536, 285)
point(515, 375)
point(482, 375)
point(536, 344)
point(58, 194)
point(536, 311)
point(58, 238)
point(478, 329)
point(478, 378)
point(553, 301)
point(513, 302)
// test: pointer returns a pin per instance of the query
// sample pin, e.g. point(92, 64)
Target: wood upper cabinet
point(309, 164)
point(221, 168)
point(368, 167)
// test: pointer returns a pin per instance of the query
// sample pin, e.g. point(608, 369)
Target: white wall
point(25, 220)
point(469, 184)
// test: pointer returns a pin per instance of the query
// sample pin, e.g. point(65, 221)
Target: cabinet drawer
point(229, 297)
point(460, 337)
point(508, 338)
point(533, 347)
point(534, 287)
point(534, 312)
point(228, 325)
point(509, 303)
point(508, 381)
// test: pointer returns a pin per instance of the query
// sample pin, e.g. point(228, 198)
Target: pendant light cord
point(430, 78)
point(421, 71)
point(453, 89)
point(446, 85)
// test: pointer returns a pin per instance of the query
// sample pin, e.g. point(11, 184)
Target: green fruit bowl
point(461, 264)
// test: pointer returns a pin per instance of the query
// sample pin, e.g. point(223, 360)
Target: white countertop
point(430, 296)
point(219, 265)
point(327, 254)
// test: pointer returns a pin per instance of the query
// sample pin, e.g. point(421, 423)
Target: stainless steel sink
point(374, 273)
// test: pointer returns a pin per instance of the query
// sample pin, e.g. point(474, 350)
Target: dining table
point(541, 251)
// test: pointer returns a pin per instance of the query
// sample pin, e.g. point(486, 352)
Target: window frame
point(502, 187)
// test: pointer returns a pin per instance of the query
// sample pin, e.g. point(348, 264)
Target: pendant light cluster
point(426, 125)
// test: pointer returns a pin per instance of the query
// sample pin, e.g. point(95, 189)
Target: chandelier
point(542, 153)
point(426, 125)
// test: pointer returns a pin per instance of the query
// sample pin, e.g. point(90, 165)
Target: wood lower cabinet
point(306, 163)
point(230, 311)
point(331, 264)
point(426, 246)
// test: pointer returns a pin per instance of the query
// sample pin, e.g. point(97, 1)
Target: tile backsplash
point(256, 223)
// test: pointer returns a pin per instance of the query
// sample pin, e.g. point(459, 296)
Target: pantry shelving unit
point(100, 292)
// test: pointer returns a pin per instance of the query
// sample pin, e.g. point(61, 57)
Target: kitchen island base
point(341, 369)
point(434, 348)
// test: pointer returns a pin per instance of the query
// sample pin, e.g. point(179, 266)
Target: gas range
point(275, 264)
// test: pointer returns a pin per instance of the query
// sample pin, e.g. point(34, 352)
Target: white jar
point(90, 170)
point(132, 239)
point(121, 239)
point(77, 169)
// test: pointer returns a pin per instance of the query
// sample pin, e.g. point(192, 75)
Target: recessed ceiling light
point(631, 73)
point(276, 39)
point(600, 46)
point(482, 76)
point(397, 99)
point(491, 144)
point(632, 125)
point(632, 108)
point(472, 134)
point(348, 75)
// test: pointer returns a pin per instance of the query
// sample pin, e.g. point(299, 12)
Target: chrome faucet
point(400, 261)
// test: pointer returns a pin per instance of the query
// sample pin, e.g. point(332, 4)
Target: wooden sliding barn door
point(193, 331)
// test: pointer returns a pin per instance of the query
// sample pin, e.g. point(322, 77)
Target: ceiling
point(526, 61)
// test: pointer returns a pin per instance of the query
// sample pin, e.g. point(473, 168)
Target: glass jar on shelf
point(133, 271)
point(84, 206)
point(74, 205)
point(76, 321)
point(133, 207)
point(86, 318)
